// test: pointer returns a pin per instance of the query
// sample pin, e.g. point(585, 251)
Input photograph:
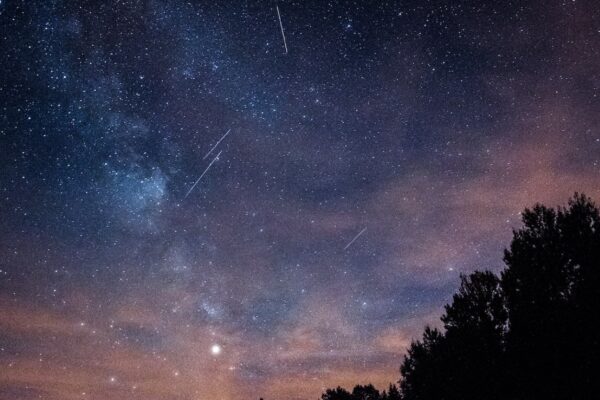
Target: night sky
point(192, 208)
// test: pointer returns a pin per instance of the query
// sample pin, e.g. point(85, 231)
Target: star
point(215, 349)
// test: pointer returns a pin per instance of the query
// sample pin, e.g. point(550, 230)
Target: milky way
point(416, 131)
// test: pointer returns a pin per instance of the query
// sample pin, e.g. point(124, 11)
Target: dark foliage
point(392, 393)
point(367, 392)
point(336, 394)
point(466, 359)
point(531, 333)
point(552, 290)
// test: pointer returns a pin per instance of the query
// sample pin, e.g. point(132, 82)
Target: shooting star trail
point(355, 237)
point(281, 26)
point(215, 146)
point(205, 171)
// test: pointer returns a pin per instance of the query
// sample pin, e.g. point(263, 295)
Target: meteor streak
point(355, 237)
point(281, 26)
point(215, 146)
point(205, 171)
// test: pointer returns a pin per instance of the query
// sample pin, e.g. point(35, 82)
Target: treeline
point(529, 333)
point(367, 392)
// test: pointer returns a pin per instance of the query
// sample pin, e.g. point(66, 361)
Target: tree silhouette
point(475, 326)
point(392, 393)
point(531, 333)
point(465, 360)
point(336, 394)
point(367, 392)
point(551, 287)
point(425, 363)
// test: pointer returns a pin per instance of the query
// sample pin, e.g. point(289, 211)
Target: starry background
point(431, 124)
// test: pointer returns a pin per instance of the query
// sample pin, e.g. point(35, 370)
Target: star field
point(192, 208)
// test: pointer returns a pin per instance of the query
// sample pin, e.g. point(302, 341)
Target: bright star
point(215, 349)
